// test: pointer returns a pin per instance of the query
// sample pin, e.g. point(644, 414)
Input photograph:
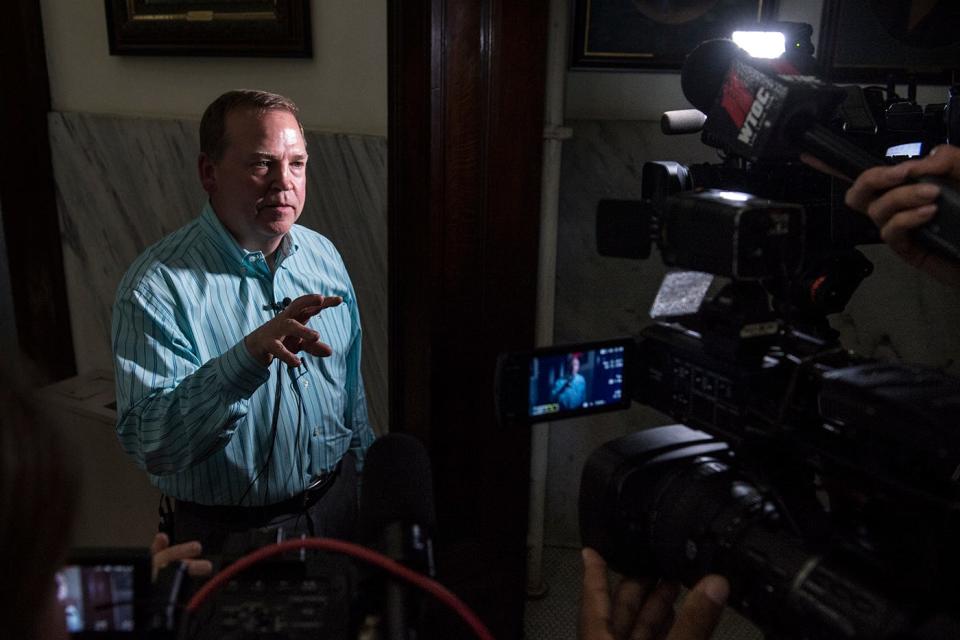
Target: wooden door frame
point(466, 92)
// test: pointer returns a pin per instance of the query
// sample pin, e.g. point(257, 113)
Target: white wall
point(343, 88)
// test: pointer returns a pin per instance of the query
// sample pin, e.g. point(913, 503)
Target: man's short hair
point(213, 124)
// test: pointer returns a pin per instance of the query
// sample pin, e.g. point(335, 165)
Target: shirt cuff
point(240, 372)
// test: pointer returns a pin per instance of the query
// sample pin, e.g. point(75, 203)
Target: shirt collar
point(236, 254)
point(288, 246)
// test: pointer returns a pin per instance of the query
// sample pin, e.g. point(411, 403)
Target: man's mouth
point(276, 206)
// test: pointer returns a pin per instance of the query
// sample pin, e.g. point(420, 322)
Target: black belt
point(262, 515)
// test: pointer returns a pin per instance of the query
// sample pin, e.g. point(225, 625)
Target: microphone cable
point(277, 307)
point(273, 432)
point(298, 396)
point(369, 556)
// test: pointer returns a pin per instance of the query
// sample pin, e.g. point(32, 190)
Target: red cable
point(369, 556)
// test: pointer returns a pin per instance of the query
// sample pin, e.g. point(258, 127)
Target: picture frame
point(257, 28)
point(650, 35)
point(872, 41)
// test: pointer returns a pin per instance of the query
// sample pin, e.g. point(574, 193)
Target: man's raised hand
point(287, 334)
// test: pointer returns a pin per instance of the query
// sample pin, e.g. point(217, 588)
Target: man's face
point(258, 186)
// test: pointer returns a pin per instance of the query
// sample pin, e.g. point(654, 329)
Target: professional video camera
point(269, 587)
point(109, 593)
point(822, 484)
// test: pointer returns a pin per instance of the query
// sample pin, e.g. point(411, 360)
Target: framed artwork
point(873, 40)
point(654, 34)
point(275, 28)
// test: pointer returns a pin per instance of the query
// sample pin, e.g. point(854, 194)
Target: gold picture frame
point(270, 28)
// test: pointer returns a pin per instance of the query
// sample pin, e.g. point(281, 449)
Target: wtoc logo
point(745, 109)
point(755, 117)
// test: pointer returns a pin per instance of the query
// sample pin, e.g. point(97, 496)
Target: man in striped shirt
point(249, 412)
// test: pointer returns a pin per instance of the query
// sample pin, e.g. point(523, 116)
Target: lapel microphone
point(277, 307)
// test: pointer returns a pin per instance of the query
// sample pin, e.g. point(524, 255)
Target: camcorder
point(269, 584)
point(822, 484)
point(108, 594)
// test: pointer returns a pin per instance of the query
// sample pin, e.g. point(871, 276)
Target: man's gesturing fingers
point(278, 338)
point(305, 307)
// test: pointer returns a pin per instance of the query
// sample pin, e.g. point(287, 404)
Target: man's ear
point(208, 173)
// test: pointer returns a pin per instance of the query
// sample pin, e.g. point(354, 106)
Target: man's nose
point(283, 177)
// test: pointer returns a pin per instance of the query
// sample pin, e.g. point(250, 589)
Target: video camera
point(108, 593)
point(822, 484)
point(270, 586)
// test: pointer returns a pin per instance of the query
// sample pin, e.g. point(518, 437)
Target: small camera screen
point(97, 597)
point(576, 381)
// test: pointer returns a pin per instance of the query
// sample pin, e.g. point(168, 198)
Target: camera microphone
point(757, 113)
point(760, 114)
point(682, 121)
point(397, 517)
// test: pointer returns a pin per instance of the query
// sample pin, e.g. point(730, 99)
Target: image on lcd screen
point(97, 598)
point(577, 380)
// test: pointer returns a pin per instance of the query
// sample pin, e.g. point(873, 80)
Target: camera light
point(761, 44)
point(733, 196)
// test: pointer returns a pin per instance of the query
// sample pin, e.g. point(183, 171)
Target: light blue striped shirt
point(194, 407)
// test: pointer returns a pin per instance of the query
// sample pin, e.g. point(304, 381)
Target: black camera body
point(824, 485)
point(108, 594)
point(678, 503)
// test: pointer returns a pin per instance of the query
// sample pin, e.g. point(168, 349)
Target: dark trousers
point(228, 530)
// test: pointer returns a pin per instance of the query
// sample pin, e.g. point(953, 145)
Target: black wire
point(294, 384)
point(304, 511)
point(273, 432)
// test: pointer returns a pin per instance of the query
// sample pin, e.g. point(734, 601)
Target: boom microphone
point(397, 516)
point(758, 113)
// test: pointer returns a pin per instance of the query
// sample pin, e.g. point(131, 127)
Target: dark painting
point(651, 34)
point(873, 40)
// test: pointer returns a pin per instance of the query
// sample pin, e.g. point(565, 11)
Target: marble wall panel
point(124, 183)
point(897, 313)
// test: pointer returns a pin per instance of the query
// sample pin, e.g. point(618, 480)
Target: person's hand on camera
point(163, 554)
point(898, 205)
point(286, 334)
point(642, 609)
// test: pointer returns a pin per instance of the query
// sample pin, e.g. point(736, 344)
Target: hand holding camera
point(899, 206)
point(643, 608)
point(162, 554)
